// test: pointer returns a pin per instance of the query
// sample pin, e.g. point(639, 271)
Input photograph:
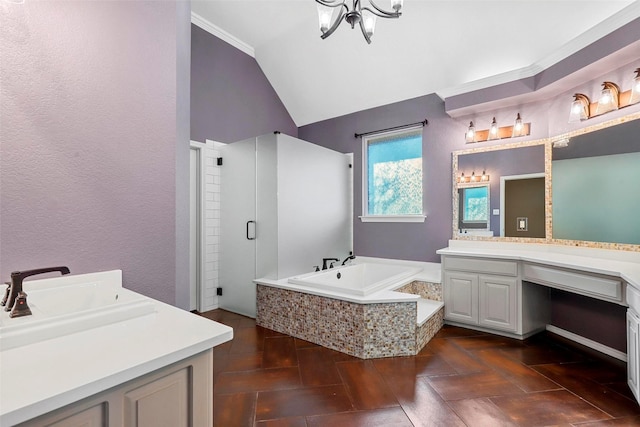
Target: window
point(474, 207)
point(392, 177)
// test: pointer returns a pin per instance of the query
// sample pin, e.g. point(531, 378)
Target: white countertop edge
point(627, 271)
point(17, 409)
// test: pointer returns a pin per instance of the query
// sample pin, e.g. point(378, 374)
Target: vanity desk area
point(565, 251)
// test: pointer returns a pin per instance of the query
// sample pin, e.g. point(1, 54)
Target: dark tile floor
point(462, 377)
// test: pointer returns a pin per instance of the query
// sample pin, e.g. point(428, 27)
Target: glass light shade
point(369, 23)
point(396, 5)
point(494, 131)
point(484, 177)
point(461, 179)
point(579, 108)
point(635, 89)
point(608, 98)
point(470, 136)
point(518, 127)
point(324, 17)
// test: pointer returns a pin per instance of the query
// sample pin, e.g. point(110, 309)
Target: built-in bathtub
point(358, 279)
point(373, 308)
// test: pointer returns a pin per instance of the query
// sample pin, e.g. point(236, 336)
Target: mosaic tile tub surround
point(361, 330)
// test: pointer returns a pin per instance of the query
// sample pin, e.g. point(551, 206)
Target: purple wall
point(231, 99)
point(90, 101)
point(411, 241)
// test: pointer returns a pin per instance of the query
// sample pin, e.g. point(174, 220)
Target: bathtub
point(357, 279)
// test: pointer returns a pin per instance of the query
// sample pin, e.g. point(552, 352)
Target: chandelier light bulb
point(324, 17)
point(369, 22)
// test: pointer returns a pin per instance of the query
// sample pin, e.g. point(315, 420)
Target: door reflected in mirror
point(522, 205)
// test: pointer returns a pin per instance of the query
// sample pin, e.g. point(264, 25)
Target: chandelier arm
point(335, 25)
point(381, 12)
point(364, 32)
point(331, 3)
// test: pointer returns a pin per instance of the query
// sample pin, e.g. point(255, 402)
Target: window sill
point(392, 218)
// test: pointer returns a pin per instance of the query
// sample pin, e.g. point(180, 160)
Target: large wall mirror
point(515, 178)
point(595, 186)
point(577, 189)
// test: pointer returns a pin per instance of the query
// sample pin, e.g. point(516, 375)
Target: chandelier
point(357, 15)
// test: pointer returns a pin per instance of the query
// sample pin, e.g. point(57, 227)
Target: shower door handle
point(251, 230)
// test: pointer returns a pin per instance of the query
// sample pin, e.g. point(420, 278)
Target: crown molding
point(594, 34)
point(222, 34)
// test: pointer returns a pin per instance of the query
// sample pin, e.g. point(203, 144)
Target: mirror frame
point(548, 146)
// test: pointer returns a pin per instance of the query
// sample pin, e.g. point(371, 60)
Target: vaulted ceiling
point(437, 46)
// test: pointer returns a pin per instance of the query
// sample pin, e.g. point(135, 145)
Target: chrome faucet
point(324, 262)
point(17, 277)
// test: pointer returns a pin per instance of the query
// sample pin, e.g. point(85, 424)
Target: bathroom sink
point(70, 304)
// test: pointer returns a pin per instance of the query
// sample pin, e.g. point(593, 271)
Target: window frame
point(473, 224)
point(366, 217)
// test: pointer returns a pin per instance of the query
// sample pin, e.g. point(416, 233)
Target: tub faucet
point(350, 257)
point(18, 276)
point(324, 262)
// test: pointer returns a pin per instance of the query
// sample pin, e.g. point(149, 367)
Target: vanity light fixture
point(473, 178)
point(495, 132)
point(579, 108)
point(609, 98)
point(471, 133)
point(634, 98)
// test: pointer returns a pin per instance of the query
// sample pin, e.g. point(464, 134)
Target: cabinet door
point(498, 302)
point(461, 297)
point(93, 416)
point(160, 403)
point(633, 376)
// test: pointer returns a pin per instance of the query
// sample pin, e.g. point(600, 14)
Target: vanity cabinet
point(179, 395)
point(481, 292)
point(487, 294)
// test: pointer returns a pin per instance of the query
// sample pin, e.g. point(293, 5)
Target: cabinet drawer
point(481, 265)
point(595, 286)
point(633, 298)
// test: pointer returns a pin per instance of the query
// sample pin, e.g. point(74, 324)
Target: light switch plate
point(496, 211)
point(522, 223)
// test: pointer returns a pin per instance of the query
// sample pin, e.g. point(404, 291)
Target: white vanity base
point(502, 288)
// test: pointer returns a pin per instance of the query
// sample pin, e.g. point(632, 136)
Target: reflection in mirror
point(522, 204)
point(474, 210)
point(528, 159)
point(595, 186)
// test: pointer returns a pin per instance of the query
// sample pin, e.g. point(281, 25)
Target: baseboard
point(617, 354)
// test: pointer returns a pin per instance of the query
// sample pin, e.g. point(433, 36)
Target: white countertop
point(623, 264)
point(41, 377)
